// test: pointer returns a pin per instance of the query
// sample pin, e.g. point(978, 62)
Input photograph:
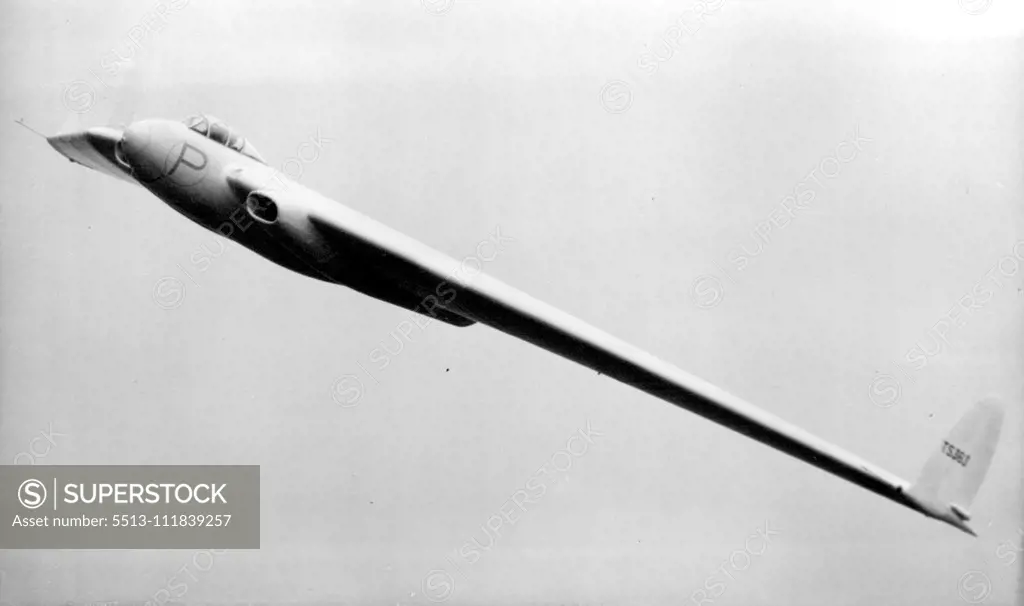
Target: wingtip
point(962, 516)
point(960, 512)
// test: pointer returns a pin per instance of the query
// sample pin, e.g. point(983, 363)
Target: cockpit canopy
point(214, 129)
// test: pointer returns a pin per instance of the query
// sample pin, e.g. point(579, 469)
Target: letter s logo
point(31, 494)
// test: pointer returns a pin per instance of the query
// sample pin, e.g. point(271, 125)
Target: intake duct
point(261, 208)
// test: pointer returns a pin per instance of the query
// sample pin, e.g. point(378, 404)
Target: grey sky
point(492, 116)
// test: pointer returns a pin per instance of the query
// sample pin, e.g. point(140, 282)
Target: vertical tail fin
point(953, 474)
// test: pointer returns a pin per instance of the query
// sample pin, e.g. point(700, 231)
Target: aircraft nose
point(137, 136)
point(139, 153)
point(159, 150)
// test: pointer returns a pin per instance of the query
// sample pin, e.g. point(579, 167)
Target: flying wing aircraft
point(211, 174)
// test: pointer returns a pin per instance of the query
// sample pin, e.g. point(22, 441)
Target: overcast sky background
point(491, 116)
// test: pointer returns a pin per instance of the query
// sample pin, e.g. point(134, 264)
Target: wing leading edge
point(491, 302)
